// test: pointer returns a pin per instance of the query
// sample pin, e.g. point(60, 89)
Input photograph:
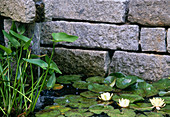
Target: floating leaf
point(109, 79)
point(162, 84)
point(141, 106)
point(89, 94)
point(164, 93)
point(153, 114)
point(124, 113)
point(124, 82)
point(59, 37)
point(131, 97)
point(57, 87)
point(117, 75)
point(38, 62)
point(144, 89)
point(166, 99)
point(81, 85)
point(48, 113)
point(98, 109)
point(95, 79)
point(99, 88)
point(76, 113)
point(68, 79)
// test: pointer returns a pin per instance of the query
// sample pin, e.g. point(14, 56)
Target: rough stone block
point(150, 12)
point(48, 9)
point(94, 10)
point(94, 35)
point(19, 10)
point(168, 40)
point(76, 61)
point(153, 39)
point(147, 66)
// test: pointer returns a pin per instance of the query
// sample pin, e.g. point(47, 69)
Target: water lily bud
point(124, 103)
point(157, 102)
point(105, 96)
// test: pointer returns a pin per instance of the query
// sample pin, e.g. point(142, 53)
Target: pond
point(77, 96)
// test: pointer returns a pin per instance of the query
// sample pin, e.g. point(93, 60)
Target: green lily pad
point(98, 109)
point(81, 85)
point(124, 113)
point(76, 113)
point(131, 97)
point(62, 109)
point(145, 89)
point(153, 114)
point(83, 103)
point(164, 93)
point(48, 113)
point(68, 79)
point(124, 82)
point(99, 88)
point(162, 84)
point(95, 79)
point(165, 110)
point(141, 106)
point(117, 75)
point(166, 99)
point(89, 94)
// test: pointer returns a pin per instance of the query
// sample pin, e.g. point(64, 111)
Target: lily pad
point(48, 113)
point(165, 110)
point(57, 87)
point(99, 88)
point(164, 93)
point(81, 85)
point(76, 113)
point(68, 79)
point(124, 113)
point(141, 106)
point(144, 89)
point(131, 97)
point(124, 82)
point(83, 103)
point(166, 99)
point(153, 114)
point(62, 109)
point(162, 84)
point(95, 79)
point(98, 109)
point(117, 75)
point(89, 94)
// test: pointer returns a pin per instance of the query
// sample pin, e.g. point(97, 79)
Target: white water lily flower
point(124, 103)
point(157, 102)
point(105, 96)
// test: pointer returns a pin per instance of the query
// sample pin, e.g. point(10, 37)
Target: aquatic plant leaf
point(53, 65)
point(83, 103)
point(14, 42)
point(153, 114)
point(99, 88)
point(21, 29)
point(81, 85)
point(145, 89)
point(57, 86)
point(38, 62)
point(51, 81)
point(68, 79)
point(166, 99)
point(59, 37)
point(162, 84)
point(75, 113)
point(117, 75)
point(141, 106)
point(19, 36)
point(124, 82)
point(98, 109)
point(95, 79)
point(165, 110)
point(109, 79)
point(164, 93)
point(89, 94)
point(124, 113)
point(48, 113)
point(7, 50)
point(131, 97)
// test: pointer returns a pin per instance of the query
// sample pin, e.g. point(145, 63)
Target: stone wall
point(128, 36)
